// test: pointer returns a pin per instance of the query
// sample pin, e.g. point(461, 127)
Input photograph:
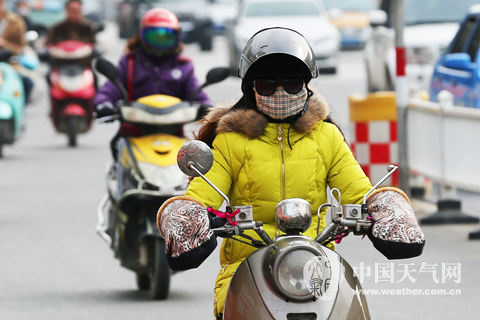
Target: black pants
point(27, 87)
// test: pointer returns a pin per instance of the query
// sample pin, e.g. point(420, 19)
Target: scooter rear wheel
point(159, 272)
point(72, 131)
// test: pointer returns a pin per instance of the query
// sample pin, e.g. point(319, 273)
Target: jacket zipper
point(280, 139)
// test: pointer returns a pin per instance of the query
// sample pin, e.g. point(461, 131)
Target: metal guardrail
point(444, 142)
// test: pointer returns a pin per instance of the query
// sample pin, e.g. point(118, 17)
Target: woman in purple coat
point(152, 65)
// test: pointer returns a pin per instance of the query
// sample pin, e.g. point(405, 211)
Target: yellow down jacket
point(259, 163)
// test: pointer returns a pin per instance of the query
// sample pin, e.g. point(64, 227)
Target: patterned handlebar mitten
point(395, 232)
point(184, 224)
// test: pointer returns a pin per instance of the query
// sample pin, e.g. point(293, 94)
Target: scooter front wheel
point(143, 281)
point(159, 272)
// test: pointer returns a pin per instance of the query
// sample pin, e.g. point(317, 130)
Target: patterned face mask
point(281, 104)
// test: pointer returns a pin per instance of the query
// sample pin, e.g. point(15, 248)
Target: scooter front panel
point(157, 149)
point(243, 300)
point(344, 300)
point(351, 302)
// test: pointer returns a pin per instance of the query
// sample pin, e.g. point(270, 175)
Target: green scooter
point(12, 102)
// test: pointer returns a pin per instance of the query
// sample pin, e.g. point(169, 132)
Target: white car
point(308, 17)
point(429, 27)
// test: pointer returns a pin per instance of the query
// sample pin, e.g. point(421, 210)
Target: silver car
point(429, 27)
point(308, 17)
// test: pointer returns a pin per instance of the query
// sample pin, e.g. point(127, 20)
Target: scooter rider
point(277, 142)
point(12, 30)
point(153, 64)
point(12, 38)
point(74, 27)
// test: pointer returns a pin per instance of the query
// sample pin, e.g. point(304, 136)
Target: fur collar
point(252, 123)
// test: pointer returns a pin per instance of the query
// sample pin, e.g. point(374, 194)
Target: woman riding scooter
point(153, 64)
point(162, 95)
point(277, 142)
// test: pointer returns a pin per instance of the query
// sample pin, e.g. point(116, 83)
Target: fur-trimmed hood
point(252, 123)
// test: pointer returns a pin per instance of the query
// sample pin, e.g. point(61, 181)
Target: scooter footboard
point(102, 222)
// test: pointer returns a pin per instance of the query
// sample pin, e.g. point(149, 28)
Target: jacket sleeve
point(109, 92)
point(220, 175)
point(191, 84)
point(344, 172)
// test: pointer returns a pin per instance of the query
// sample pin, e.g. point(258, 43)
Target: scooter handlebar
point(108, 119)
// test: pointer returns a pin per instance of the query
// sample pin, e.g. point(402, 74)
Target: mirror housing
point(195, 153)
point(460, 60)
point(107, 68)
point(217, 74)
point(195, 158)
point(214, 75)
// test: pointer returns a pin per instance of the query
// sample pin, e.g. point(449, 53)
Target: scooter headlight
point(290, 274)
point(71, 83)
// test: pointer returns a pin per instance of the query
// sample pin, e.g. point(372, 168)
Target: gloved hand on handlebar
point(395, 232)
point(185, 225)
point(106, 109)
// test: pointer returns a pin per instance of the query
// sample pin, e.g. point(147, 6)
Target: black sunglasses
point(266, 87)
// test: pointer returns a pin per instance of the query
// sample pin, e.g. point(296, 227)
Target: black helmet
point(274, 41)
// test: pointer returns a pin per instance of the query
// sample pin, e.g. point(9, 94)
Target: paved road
point(54, 266)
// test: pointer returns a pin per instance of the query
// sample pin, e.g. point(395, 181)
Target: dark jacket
point(68, 30)
point(171, 75)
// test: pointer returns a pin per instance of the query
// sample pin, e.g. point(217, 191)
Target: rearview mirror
point(217, 74)
point(213, 76)
point(193, 155)
point(460, 60)
point(195, 158)
point(106, 68)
